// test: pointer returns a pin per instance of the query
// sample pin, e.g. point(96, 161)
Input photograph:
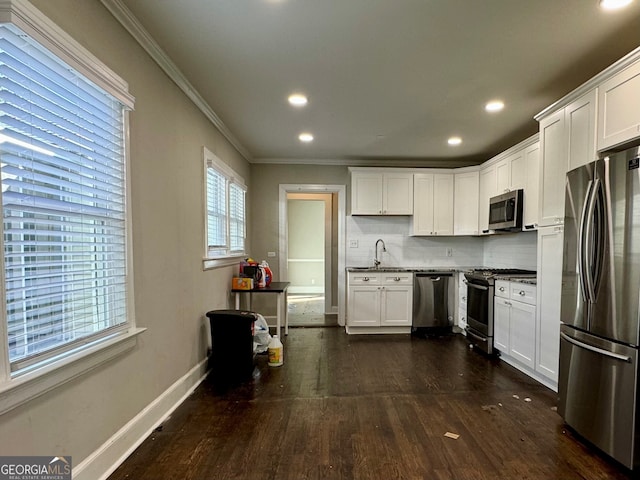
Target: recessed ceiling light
point(454, 141)
point(305, 137)
point(614, 4)
point(494, 106)
point(297, 100)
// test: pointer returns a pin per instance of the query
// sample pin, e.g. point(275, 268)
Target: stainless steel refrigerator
point(599, 338)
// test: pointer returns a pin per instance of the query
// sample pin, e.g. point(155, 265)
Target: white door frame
point(340, 190)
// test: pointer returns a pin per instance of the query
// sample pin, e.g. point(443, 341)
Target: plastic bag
point(261, 337)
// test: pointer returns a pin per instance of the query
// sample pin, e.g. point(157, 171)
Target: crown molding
point(128, 20)
point(363, 162)
point(592, 83)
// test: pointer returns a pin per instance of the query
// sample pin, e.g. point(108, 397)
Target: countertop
point(405, 269)
point(526, 280)
point(530, 280)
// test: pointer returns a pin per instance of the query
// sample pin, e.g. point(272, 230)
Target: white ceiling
point(388, 80)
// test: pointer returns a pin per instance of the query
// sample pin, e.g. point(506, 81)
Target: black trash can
point(231, 357)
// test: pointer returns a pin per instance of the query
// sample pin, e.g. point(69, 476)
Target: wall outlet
point(271, 254)
point(449, 252)
point(353, 243)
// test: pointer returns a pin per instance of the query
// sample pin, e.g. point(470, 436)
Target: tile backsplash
point(516, 250)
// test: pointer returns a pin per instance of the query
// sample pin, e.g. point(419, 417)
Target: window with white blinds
point(62, 163)
point(225, 205)
point(236, 218)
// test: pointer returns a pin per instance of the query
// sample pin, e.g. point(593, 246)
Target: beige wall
point(265, 209)
point(172, 292)
point(265, 197)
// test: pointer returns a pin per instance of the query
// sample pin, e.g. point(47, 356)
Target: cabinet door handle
point(501, 289)
point(521, 293)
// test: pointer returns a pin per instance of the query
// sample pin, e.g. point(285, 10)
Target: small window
point(62, 165)
point(225, 202)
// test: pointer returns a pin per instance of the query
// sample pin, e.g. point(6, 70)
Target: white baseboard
point(104, 461)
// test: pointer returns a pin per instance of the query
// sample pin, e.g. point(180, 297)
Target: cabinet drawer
point(364, 279)
point(502, 289)
point(397, 278)
point(523, 292)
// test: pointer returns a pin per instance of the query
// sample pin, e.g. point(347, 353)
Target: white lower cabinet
point(364, 306)
point(514, 330)
point(396, 306)
point(379, 302)
point(501, 324)
point(522, 334)
point(550, 247)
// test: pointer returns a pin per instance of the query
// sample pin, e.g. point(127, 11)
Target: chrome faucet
point(376, 262)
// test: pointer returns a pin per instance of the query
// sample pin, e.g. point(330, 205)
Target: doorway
point(311, 257)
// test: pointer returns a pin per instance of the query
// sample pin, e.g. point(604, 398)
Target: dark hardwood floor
point(370, 407)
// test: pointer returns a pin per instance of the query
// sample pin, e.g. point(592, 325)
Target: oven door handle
point(479, 287)
point(477, 337)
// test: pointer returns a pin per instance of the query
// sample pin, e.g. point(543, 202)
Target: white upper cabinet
point(465, 203)
point(517, 172)
point(567, 141)
point(397, 194)
point(580, 118)
point(488, 187)
point(503, 176)
point(422, 221)
point(432, 204)
point(531, 159)
point(553, 168)
point(525, 164)
point(366, 193)
point(619, 108)
point(600, 115)
point(374, 192)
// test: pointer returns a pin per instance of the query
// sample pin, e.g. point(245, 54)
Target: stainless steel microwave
point(505, 211)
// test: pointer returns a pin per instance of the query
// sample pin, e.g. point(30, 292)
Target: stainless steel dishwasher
point(433, 296)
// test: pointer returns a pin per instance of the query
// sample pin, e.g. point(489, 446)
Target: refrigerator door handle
point(591, 348)
point(581, 244)
point(588, 233)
